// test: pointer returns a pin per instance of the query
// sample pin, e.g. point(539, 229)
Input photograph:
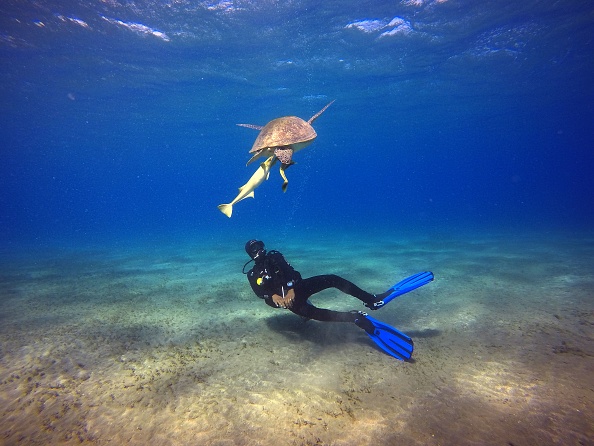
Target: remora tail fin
point(226, 209)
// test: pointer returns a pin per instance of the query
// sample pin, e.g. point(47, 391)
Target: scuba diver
point(273, 279)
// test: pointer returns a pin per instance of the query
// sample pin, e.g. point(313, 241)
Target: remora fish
point(247, 190)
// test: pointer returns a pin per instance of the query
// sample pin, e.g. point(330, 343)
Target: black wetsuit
point(278, 276)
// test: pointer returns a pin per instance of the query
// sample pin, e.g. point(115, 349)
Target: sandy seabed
point(167, 345)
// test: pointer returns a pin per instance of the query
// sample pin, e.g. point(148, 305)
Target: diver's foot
point(362, 322)
point(404, 286)
point(376, 304)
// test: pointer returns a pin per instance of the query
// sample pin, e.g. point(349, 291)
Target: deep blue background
point(481, 119)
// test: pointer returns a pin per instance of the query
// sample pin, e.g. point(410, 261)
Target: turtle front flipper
point(284, 167)
point(284, 154)
point(254, 126)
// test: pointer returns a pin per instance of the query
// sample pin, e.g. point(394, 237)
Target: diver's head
point(255, 249)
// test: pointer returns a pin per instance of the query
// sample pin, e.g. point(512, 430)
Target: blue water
point(118, 118)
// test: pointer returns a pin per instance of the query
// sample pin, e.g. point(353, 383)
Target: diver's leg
point(312, 285)
point(309, 311)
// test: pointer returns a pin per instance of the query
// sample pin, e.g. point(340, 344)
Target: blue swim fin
point(393, 342)
point(404, 286)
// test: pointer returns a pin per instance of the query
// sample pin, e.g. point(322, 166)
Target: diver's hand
point(287, 301)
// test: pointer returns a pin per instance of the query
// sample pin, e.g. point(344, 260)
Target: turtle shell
point(284, 131)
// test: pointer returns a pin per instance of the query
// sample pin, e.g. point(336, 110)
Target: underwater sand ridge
point(176, 354)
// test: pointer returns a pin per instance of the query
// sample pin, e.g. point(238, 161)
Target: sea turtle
point(282, 137)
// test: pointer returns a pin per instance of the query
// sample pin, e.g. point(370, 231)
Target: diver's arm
point(270, 303)
point(284, 268)
point(260, 289)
